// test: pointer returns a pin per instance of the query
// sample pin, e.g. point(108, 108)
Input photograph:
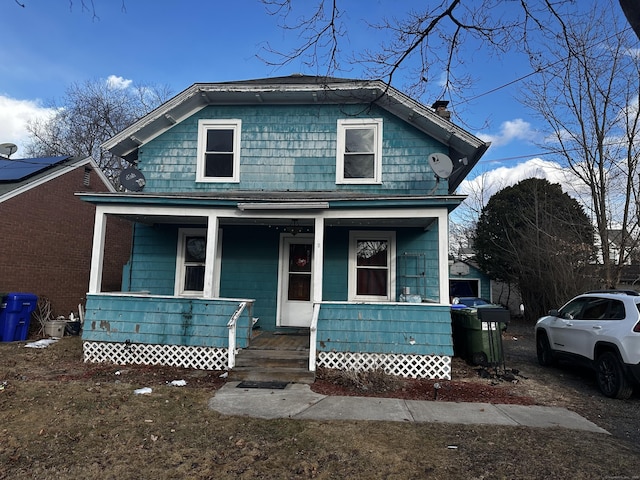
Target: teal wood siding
point(250, 269)
point(290, 148)
point(417, 241)
point(418, 329)
point(163, 321)
point(152, 266)
point(485, 282)
point(336, 256)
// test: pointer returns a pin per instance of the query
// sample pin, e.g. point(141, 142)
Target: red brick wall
point(46, 237)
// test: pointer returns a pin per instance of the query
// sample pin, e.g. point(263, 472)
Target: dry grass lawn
point(62, 419)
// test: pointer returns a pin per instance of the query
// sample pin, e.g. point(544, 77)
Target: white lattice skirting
point(435, 367)
point(201, 358)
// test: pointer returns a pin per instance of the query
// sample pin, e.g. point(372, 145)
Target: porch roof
point(278, 208)
point(251, 200)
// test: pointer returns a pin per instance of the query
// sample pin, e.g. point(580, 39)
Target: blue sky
point(50, 44)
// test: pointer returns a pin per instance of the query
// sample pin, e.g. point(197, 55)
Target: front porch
point(405, 339)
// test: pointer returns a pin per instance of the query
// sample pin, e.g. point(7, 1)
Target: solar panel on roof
point(13, 170)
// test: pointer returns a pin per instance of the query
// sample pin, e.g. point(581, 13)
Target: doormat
point(267, 385)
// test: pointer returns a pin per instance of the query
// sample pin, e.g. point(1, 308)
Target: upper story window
point(359, 151)
point(218, 151)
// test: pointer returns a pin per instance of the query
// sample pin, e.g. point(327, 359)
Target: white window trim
point(226, 124)
point(343, 125)
point(389, 236)
point(179, 290)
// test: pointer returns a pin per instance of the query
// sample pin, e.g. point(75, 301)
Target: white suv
point(600, 329)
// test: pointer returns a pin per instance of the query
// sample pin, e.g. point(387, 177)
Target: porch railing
point(313, 337)
point(232, 326)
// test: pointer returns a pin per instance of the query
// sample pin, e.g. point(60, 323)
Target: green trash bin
point(477, 333)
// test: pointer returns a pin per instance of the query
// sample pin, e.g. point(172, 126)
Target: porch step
point(272, 358)
point(260, 374)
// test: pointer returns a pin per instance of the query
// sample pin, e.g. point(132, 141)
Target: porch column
point(318, 259)
point(97, 253)
point(443, 254)
point(212, 242)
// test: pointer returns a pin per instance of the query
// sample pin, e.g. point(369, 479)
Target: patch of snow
point(44, 343)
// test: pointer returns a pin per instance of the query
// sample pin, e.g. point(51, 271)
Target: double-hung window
point(192, 248)
point(359, 151)
point(218, 151)
point(372, 266)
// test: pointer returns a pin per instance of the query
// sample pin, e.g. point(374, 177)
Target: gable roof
point(41, 170)
point(464, 148)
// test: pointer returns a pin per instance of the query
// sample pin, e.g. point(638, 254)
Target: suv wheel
point(610, 376)
point(543, 349)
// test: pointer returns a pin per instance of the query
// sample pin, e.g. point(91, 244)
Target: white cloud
point(483, 186)
point(511, 130)
point(14, 115)
point(118, 82)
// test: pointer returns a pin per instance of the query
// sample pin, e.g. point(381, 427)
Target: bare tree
point(463, 221)
point(86, 6)
point(589, 102)
point(425, 41)
point(89, 114)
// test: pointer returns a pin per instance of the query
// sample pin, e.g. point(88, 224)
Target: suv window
point(593, 308)
point(616, 310)
point(573, 309)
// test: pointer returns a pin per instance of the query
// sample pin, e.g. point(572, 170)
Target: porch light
point(293, 229)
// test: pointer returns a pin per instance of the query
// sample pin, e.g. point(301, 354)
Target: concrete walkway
point(297, 401)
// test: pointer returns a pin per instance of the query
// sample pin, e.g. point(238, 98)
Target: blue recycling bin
point(15, 316)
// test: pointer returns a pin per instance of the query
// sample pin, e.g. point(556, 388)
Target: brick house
point(46, 231)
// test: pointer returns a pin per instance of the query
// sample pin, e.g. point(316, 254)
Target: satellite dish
point(441, 165)
point(132, 179)
point(8, 149)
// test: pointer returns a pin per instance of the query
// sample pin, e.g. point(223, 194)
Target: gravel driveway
point(569, 386)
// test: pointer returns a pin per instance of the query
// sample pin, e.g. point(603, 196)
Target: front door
point(295, 304)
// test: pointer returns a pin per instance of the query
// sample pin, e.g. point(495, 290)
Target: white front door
point(295, 305)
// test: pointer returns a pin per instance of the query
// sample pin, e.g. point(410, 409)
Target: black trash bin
point(15, 316)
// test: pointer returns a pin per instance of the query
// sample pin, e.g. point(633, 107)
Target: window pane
point(219, 165)
point(359, 140)
point(299, 287)
point(572, 309)
point(372, 253)
point(596, 309)
point(616, 310)
point(359, 166)
point(194, 278)
point(195, 249)
point(219, 140)
point(372, 282)
point(300, 257)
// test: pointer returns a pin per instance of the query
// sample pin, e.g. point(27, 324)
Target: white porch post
point(443, 254)
point(212, 242)
point(318, 259)
point(97, 253)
